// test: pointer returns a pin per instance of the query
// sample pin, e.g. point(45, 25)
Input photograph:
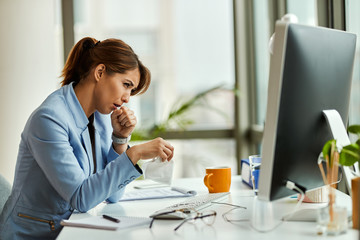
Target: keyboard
point(197, 202)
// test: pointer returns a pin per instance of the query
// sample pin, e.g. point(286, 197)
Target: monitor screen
point(310, 71)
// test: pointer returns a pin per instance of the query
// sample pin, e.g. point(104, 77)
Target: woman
point(73, 153)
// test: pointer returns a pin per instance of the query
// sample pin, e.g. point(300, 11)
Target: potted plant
point(178, 118)
point(347, 156)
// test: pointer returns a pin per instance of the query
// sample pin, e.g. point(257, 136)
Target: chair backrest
point(5, 189)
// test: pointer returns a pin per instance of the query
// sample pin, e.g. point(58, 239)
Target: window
point(353, 25)
point(262, 57)
point(306, 13)
point(188, 47)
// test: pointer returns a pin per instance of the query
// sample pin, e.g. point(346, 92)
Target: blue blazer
point(54, 169)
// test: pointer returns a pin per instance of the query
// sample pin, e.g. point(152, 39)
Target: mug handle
point(206, 181)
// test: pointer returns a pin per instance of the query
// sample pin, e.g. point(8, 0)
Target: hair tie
point(89, 45)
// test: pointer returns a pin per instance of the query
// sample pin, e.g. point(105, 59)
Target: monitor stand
point(340, 135)
point(268, 215)
point(263, 218)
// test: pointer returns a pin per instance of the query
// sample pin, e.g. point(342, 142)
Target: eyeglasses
point(208, 217)
point(234, 214)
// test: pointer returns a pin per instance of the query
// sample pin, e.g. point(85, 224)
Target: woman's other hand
point(123, 122)
point(154, 148)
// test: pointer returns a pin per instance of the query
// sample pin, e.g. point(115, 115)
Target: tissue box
point(246, 175)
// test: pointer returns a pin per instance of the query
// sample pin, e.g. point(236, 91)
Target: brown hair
point(116, 55)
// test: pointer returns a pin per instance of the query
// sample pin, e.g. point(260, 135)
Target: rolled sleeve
point(108, 183)
point(113, 155)
point(128, 164)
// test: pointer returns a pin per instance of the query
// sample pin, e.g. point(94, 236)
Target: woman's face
point(115, 89)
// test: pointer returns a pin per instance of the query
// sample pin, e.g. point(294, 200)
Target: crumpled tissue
point(158, 171)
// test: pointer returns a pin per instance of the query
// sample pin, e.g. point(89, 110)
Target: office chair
point(5, 189)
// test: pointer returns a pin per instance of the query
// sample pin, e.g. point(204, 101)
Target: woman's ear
point(99, 72)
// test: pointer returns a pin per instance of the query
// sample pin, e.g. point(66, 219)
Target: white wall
point(29, 68)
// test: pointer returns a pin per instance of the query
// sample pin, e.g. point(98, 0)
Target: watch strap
point(118, 140)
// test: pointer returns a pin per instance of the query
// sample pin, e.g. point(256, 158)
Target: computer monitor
point(310, 71)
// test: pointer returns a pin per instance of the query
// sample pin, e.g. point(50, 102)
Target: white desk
point(164, 229)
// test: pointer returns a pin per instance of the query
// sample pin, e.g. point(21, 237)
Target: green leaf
point(354, 129)
point(178, 111)
point(350, 154)
point(327, 150)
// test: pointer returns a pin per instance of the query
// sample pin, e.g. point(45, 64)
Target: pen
point(111, 218)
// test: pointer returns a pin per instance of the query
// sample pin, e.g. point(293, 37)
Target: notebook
point(166, 192)
point(98, 222)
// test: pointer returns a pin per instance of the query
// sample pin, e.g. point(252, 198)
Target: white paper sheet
point(167, 192)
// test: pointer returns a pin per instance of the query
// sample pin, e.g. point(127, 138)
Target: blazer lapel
point(85, 137)
point(99, 162)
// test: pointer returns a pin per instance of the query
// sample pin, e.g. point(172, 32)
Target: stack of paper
point(157, 193)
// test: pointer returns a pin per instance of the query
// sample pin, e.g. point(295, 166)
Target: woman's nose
point(126, 97)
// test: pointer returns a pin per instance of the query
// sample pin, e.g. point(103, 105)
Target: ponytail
point(117, 56)
point(76, 66)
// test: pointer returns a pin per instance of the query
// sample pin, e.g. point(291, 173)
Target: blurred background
point(209, 61)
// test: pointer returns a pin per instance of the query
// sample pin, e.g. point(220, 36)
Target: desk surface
point(164, 229)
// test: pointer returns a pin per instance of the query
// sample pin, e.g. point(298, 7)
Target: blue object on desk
point(246, 174)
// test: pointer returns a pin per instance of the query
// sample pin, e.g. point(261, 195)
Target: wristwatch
point(118, 140)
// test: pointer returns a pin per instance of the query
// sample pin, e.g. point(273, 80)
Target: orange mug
point(218, 179)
